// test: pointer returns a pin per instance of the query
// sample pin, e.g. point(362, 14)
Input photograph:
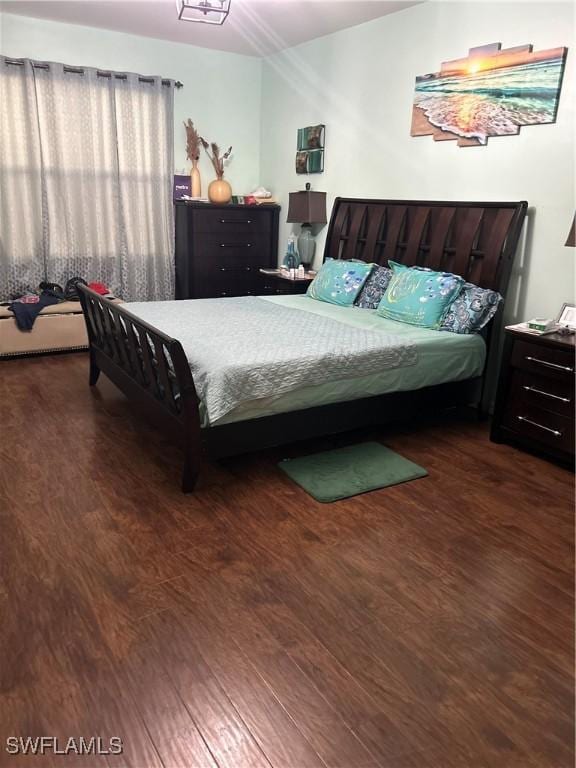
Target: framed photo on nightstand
point(567, 317)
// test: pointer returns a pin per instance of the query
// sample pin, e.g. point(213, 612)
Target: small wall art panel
point(310, 154)
point(491, 92)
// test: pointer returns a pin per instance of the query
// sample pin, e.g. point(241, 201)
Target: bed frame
point(475, 240)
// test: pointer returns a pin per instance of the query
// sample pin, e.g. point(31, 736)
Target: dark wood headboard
point(475, 240)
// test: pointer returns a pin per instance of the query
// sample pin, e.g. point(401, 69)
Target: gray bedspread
point(246, 348)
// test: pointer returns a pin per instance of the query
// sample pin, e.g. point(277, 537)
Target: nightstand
point(276, 281)
point(535, 399)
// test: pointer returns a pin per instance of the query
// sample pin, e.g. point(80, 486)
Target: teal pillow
point(339, 282)
point(419, 297)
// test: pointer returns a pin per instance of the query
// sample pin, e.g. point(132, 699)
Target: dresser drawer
point(230, 249)
point(546, 361)
point(232, 271)
point(548, 428)
point(223, 223)
point(217, 273)
point(549, 393)
point(233, 282)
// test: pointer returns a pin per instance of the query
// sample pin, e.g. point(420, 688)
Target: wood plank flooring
point(429, 625)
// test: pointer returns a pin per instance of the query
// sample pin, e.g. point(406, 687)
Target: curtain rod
point(100, 73)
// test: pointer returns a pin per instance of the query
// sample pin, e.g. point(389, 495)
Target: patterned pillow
point(471, 310)
point(419, 297)
point(374, 288)
point(339, 281)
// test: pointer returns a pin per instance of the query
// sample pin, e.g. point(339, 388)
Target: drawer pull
point(235, 221)
point(554, 432)
point(550, 365)
point(235, 245)
point(546, 394)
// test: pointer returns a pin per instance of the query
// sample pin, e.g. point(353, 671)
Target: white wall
point(221, 90)
point(360, 83)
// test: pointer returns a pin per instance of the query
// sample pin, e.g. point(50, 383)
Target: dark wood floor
point(426, 625)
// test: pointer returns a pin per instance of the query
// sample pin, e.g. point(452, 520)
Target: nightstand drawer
point(289, 288)
point(546, 361)
point(545, 427)
point(551, 394)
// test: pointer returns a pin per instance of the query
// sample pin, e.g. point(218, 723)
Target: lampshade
point(572, 234)
point(307, 207)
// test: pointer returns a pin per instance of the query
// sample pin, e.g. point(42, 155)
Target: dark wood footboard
point(149, 367)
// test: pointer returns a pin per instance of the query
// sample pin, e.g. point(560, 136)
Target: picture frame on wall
point(311, 137)
point(310, 161)
point(310, 149)
point(493, 91)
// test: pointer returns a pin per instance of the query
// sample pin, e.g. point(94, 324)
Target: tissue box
point(541, 324)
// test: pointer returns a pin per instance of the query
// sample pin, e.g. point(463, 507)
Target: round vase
point(219, 191)
point(306, 246)
point(195, 183)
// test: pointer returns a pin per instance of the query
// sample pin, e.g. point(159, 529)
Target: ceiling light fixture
point(203, 11)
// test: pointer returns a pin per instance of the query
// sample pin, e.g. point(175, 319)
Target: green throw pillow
point(419, 296)
point(339, 282)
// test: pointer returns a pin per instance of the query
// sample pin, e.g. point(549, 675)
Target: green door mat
point(345, 472)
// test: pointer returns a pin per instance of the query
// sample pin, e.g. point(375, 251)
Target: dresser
point(221, 248)
point(535, 400)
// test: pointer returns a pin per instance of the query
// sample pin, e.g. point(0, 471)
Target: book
point(182, 186)
point(541, 324)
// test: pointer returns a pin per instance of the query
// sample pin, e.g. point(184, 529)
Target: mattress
point(439, 357)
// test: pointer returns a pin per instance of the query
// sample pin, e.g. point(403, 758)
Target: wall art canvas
point(310, 149)
point(491, 92)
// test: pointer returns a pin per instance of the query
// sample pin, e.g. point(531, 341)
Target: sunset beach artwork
point(491, 92)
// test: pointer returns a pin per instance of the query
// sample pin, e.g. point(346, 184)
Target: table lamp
point(565, 318)
point(572, 234)
point(306, 208)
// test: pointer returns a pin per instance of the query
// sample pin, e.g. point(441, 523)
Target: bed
point(231, 375)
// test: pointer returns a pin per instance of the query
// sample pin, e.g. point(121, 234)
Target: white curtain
point(86, 168)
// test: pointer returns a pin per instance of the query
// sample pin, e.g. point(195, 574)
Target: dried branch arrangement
point(216, 159)
point(192, 142)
